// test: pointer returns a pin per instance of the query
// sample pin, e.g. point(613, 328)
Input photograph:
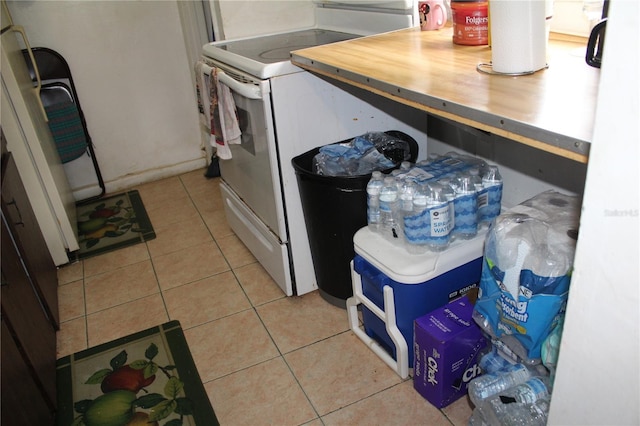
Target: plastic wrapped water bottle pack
point(428, 205)
point(362, 155)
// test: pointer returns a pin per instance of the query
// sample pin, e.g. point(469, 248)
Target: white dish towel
point(217, 109)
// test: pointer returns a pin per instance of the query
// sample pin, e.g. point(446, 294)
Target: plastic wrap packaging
point(527, 271)
point(362, 155)
point(551, 348)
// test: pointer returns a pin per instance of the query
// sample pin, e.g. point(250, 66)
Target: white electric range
point(285, 111)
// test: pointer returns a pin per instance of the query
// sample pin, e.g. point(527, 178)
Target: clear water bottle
point(407, 191)
point(490, 361)
point(491, 384)
point(452, 162)
point(476, 179)
point(389, 210)
point(373, 200)
point(465, 209)
point(450, 195)
point(416, 224)
point(454, 181)
point(532, 390)
point(495, 412)
point(490, 198)
point(439, 233)
point(524, 404)
point(474, 163)
point(405, 202)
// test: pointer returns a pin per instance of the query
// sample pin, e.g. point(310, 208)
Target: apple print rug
point(112, 223)
point(148, 378)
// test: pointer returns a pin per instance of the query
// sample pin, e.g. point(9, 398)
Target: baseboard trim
point(130, 181)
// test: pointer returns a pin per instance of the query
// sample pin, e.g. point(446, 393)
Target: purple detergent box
point(446, 346)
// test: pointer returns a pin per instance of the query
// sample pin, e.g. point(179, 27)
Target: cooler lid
point(406, 268)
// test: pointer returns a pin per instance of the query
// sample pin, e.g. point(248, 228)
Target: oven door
point(251, 189)
point(252, 172)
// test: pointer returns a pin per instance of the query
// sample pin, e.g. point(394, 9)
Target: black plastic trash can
point(335, 208)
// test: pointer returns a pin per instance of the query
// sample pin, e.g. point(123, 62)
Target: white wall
point(569, 16)
point(134, 81)
point(599, 365)
point(243, 18)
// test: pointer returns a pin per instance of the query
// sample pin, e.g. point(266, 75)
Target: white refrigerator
point(24, 125)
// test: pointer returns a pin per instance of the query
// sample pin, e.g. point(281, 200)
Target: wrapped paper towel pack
point(526, 273)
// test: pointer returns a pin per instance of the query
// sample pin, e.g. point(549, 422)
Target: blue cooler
point(395, 287)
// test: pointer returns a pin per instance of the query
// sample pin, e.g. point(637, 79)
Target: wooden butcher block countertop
point(552, 109)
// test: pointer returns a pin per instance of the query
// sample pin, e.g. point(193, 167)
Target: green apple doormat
point(112, 223)
point(147, 378)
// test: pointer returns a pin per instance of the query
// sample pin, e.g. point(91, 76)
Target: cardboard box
point(446, 346)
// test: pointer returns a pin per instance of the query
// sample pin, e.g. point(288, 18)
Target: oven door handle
point(247, 90)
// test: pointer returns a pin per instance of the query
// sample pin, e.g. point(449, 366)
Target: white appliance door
point(30, 140)
point(252, 172)
point(250, 185)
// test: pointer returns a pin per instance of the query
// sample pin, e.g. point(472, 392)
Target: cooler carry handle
point(388, 316)
point(376, 277)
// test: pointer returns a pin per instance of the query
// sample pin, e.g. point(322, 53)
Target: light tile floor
point(263, 358)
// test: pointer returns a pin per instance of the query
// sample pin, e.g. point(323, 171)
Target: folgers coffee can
point(470, 22)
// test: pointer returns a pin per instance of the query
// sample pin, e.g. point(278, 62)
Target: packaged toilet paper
point(526, 272)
